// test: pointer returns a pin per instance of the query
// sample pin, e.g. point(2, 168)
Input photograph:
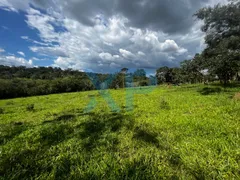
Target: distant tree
point(123, 72)
point(161, 74)
point(139, 73)
point(139, 76)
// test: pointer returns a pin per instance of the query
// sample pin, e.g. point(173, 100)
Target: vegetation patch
point(30, 107)
point(236, 96)
point(1, 110)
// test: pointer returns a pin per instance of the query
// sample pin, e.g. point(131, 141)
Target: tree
point(223, 61)
point(139, 77)
point(192, 69)
point(123, 72)
point(161, 74)
point(222, 28)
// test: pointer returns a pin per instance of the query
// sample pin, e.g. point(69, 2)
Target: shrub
point(143, 83)
point(30, 107)
point(164, 104)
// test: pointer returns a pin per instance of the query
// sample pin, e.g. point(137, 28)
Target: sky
point(100, 35)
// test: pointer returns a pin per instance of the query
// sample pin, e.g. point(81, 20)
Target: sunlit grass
point(186, 132)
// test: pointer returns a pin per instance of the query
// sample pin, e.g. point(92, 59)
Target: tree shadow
point(53, 134)
point(229, 85)
point(210, 90)
point(139, 169)
point(10, 131)
point(188, 87)
point(65, 117)
point(143, 134)
point(23, 161)
point(98, 131)
point(101, 127)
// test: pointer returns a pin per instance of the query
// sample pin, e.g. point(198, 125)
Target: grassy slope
point(186, 132)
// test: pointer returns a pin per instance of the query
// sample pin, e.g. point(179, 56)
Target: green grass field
point(186, 132)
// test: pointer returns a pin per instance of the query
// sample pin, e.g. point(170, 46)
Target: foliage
point(22, 81)
point(223, 61)
point(222, 28)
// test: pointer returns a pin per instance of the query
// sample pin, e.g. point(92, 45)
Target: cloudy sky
point(100, 35)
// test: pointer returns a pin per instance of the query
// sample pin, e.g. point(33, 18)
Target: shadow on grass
point(97, 131)
point(53, 134)
point(100, 129)
point(10, 131)
point(229, 85)
point(147, 136)
point(210, 90)
point(50, 150)
point(65, 117)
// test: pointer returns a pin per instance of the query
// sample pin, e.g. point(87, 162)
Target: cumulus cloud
point(93, 47)
point(108, 56)
point(49, 51)
point(12, 60)
point(2, 50)
point(126, 54)
point(99, 36)
point(173, 16)
point(21, 53)
point(141, 53)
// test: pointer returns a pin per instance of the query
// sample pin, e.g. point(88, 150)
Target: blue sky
point(12, 28)
point(100, 36)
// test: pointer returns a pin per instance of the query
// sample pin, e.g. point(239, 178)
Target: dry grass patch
point(236, 96)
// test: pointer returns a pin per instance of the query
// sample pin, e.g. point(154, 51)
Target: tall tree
point(222, 28)
point(192, 69)
point(124, 72)
point(161, 74)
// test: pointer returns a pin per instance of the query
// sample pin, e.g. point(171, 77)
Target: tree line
point(21, 81)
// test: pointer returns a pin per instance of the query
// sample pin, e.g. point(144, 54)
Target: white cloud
point(108, 42)
point(21, 53)
point(33, 11)
point(63, 62)
point(169, 46)
point(14, 5)
point(34, 41)
point(94, 47)
point(43, 24)
point(141, 53)
point(6, 5)
point(49, 51)
point(15, 61)
point(108, 56)
point(127, 54)
point(2, 50)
